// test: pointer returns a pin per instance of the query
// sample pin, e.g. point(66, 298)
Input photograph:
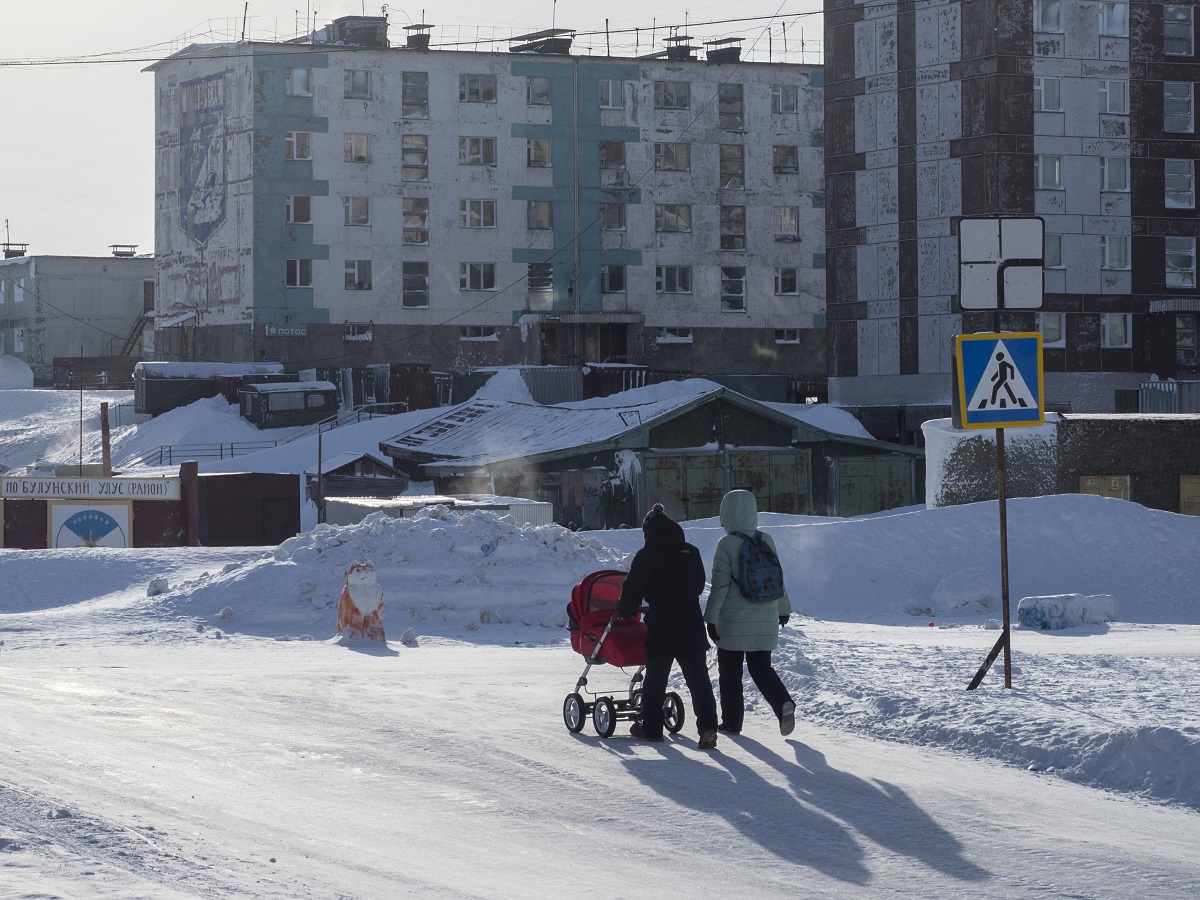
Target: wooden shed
point(288, 404)
point(605, 462)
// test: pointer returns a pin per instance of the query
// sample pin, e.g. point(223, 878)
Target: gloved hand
point(712, 632)
point(783, 620)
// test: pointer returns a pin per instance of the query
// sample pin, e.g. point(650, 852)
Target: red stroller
point(600, 638)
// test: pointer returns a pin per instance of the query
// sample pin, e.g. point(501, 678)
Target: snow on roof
point(206, 369)
point(284, 387)
point(347, 458)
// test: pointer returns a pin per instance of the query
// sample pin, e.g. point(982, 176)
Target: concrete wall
point(61, 305)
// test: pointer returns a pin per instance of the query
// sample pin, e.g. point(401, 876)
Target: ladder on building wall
point(135, 334)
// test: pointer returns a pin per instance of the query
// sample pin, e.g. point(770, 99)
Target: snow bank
point(14, 374)
point(1063, 611)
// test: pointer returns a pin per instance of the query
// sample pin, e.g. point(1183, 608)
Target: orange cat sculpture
point(360, 609)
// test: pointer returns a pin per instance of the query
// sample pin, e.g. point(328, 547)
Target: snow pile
point(14, 374)
point(439, 569)
point(506, 384)
point(1066, 611)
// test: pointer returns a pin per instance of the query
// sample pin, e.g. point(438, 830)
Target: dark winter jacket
point(668, 574)
point(742, 625)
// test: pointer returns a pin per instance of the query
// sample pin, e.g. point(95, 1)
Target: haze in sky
point(77, 156)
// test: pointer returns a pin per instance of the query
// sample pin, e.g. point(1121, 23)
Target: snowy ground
point(210, 737)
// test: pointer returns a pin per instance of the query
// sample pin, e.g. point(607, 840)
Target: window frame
point(1184, 278)
point(1186, 350)
point(478, 333)
point(354, 271)
point(731, 105)
point(785, 159)
point(539, 153)
point(476, 150)
point(609, 87)
point(356, 208)
point(297, 145)
point(415, 221)
point(673, 335)
point(1109, 27)
point(476, 209)
point(612, 278)
point(1114, 174)
point(477, 276)
point(1107, 342)
point(298, 273)
point(1189, 101)
point(296, 205)
point(782, 231)
point(1040, 10)
point(1039, 171)
point(349, 90)
point(1190, 175)
point(780, 100)
point(678, 215)
point(731, 167)
point(784, 274)
point(298, 81)
point(612, 155)
point(413, 87)
point(733, 301)
point(409, 270)
point(1187, 30)
point(672, 95)
point(1114, 89)
point(612, 216)
point(1047, 239)
point(1114, 252)
point(672, 279)
point(410, 153)
point(673, 157)
point(1043, 320)
point(1040, 84)
point(539, 215)
point(356, 147)
point(476, 87)
point(538, 87)
point(787, 335)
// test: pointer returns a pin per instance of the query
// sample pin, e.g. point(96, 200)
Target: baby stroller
point(601, 638)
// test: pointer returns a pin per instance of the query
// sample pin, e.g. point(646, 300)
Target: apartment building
point(1081, 112)
point(342, 201)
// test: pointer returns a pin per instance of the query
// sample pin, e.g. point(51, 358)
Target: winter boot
point(708, 741)
point(637, 732)
point(787, 718)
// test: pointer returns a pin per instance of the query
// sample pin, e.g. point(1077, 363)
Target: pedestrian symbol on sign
point(998, 380)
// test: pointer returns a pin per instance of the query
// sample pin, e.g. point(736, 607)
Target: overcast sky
point(77, 149)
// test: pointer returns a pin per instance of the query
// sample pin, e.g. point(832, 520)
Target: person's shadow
point(877, 810)
point(764, 813)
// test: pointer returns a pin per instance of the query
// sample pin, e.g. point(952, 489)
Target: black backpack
point(760, 576)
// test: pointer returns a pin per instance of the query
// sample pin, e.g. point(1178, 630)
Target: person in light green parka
point(744, 632)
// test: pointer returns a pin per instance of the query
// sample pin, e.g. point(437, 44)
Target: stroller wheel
point(604, 717)
point(673, 712)
point(573, 713)
point(636, 699)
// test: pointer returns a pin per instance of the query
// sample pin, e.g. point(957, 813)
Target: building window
point(1047, 172)
point(414, 157)
point(298, 210)
point(539, 215)
point(1047, 16)
point(416, 285)
point(672, 217)
point(537, 153)
point(1177, 106)
point(1114, 173)
point(18, 340)
point(356, 147)
point(540, 277)
point(537, 92)
point(787, 281)
point(477, 151)
point(478, 333)
point(787, 223)
point(297, 145)
point(612, 216)
point(612, 154)
point(416, 220)
point(673, 157)
point(733, 289)
point(787, 335)
point(357, 84)
point(476, 276)
point(476, 88)
point(1116, 330)
point(1181, 262)
point(672, 95)
point(612, 279)
point(1047, 94)
point(784, 98)
point(673, 279)
point(299, 82)
point(733, 166)
point(730, 106)
point(414, 95)
point(1052, 256)
point(1178, 31)
point(1114, 96)
point(356, 332)
point(612, 94)
point(733, 228)
point(299, 273)
point(1114, 251)
point(1053, 329)
point(1114, 19)
point(357, 210)
point(1185, 339)
point(673, 336)
point(785, 160)
point(477, 213)
point(358, 274)
point(1179, 183)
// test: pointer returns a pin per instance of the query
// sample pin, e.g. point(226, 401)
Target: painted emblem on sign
point(90, 528)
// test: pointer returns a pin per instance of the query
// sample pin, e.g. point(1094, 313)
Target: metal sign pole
point(1005, 641)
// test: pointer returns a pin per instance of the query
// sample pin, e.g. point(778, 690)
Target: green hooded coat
point(742, 625)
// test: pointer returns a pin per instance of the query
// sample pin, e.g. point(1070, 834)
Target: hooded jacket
point(668, 574)
point(742, 625)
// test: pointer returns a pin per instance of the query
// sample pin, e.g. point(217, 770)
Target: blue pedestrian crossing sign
point(999, 380)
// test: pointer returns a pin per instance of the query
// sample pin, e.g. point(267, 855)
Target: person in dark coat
point(668, 574)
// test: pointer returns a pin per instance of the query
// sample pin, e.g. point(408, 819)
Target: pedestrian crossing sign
point(999, 380)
